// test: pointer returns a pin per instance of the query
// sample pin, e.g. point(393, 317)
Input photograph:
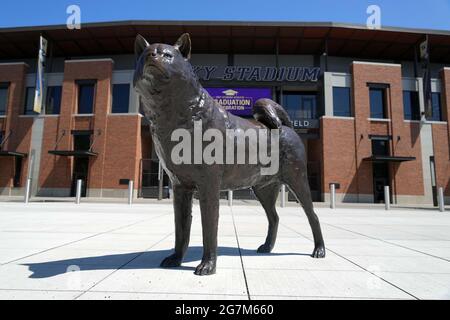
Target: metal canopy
point(345, 40)
point(72, 153)
point(389, 159)
point(12, 154)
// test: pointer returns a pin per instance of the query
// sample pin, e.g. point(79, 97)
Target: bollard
point(283, 196)
point(27, 191)
point(387, 198)
point(130, 192)
point(78, 197)
point(333, 196)
point(230, 198)
point(441, 199)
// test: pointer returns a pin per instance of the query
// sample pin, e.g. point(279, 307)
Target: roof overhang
point(12, 154)
point(72, 153)
point(389, 159)
point(223, 37)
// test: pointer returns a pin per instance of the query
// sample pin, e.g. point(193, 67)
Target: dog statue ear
point(140, 45)
point(184, 45)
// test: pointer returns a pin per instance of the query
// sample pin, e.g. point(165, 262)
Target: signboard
point(305, 123)
point(239, 101)
point(39, 93)
point(258, 74)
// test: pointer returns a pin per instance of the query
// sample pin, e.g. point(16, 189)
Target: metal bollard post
point(27, 191)
point(130, 192)
point(387, 198)
point(333, 196)
point(230, 198)
point(441, 199)
point(78, 197)
point(283, 196)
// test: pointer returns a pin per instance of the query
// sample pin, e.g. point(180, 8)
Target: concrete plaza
point(113, 251)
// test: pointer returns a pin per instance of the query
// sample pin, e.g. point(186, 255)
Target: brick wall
point(20, 138)
point(117, 138)
point(346, 142)
point(441, 137)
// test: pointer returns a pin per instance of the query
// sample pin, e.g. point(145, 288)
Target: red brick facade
point(17, 127)
point(344, 142)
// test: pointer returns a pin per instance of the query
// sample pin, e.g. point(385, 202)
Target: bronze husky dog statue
point(172, 98)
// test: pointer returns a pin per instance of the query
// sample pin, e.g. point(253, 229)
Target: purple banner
point(239, 101)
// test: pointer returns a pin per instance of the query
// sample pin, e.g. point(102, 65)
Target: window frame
point(417, 101)
point(26, 111)
point(440, 118)
point(80, 84)
point(128, 98)
point(48, 97)
point(316, 113)
point(5, 85)
point(350, 111)
point(383, 90)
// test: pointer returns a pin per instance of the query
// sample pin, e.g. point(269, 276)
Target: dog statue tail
point(271, 114)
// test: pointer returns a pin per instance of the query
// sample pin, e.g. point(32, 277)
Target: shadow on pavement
point(134, 260)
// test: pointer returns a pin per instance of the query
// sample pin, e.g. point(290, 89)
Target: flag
point(425, 59)
point(39, 93)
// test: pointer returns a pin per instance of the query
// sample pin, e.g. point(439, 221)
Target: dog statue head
point(163, 70)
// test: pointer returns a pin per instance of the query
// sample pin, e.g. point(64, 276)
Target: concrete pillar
point(283, 196)
point(78, 195)
point(441, 199)
point(333, 196)
point(130, 192)
point(27, 191)
point(387, 198)
point(230, 198)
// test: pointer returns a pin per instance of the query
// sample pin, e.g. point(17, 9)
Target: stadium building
point(372, 106)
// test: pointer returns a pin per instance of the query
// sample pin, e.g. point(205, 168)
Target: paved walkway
point(113, 251)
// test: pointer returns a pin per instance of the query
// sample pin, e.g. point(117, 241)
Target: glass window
point(380, 147)
point(411, 107)
point(436, 110)
point(53, 105)
point(3, 99)
point(29, 101)
point(121, 98)
point(377, 103)
point(82, 142)
point(341, 102)
point(86, 93)
point(300, 105)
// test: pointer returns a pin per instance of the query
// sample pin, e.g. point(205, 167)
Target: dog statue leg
point(209, 207)
point(183, 219)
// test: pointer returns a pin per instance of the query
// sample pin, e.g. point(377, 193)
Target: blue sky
point(430, 14)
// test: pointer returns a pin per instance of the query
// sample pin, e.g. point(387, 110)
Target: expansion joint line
point(240, 255)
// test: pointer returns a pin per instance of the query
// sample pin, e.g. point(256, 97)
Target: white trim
point(28, 116)
point(378, 63)
point(413, 121)
point(378, 120)
point(3, 117)
point(83, 115)
point(124, 114)
point(89, 60)
point(435, 122)
point(338, 117)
